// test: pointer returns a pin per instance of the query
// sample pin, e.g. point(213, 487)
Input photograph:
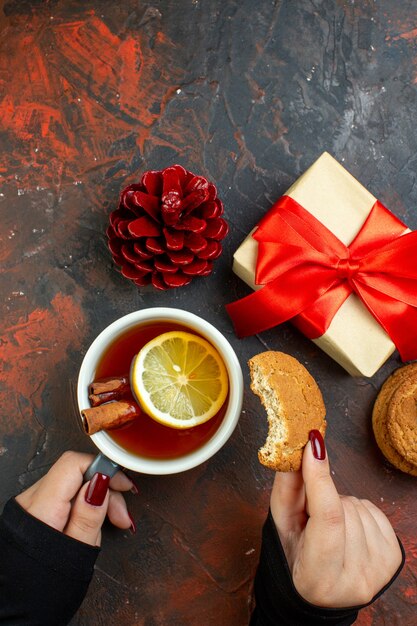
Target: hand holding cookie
point(341, 550)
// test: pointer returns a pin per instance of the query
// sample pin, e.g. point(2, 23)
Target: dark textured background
point(249, 94)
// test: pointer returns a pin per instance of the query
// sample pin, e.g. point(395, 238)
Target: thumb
point(325, 530)
point(89, 510)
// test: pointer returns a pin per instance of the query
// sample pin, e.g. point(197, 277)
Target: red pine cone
point(167, 228)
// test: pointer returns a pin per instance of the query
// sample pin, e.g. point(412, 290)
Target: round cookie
point(402, 420)
point(380, 418)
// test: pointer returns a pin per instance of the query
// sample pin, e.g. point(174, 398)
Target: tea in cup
point(144, 444)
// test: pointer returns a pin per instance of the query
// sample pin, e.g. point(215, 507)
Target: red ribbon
point(308, 273)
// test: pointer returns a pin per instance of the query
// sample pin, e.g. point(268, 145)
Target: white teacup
point(110, 448)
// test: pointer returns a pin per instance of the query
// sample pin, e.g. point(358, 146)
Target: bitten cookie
point(380, 417)
point(294, 407)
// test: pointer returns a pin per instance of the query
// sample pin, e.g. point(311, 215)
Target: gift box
point(335, 262)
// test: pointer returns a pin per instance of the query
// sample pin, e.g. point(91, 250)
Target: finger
point(288, 502)
point(368, 521)
point(381, 538)
point(356, 543)
point(380, 558)
point(122, 482)
point(89, 510)
point(325, 530)
point(367, 547)
point(381, 520)
point(117, 512)
point(66, 475)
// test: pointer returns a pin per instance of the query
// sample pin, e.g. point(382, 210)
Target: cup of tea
point(145, 445)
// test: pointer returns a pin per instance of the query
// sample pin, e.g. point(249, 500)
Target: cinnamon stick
point(109, 416)
point(108, 389)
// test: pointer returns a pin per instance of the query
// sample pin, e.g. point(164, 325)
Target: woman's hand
point(341, 550)
point(61, 500)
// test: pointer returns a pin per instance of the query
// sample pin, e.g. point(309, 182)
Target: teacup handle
point(101, 465)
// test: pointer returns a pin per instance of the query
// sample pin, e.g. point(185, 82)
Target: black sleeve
point(44, 575)
point(277, 600)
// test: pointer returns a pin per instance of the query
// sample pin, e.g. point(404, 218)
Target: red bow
point(308, 273)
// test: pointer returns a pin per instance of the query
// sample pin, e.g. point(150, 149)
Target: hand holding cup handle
point(77, 494)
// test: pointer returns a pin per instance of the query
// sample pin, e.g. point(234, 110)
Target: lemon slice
point(179, 379)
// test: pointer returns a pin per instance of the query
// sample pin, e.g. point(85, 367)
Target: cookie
point(402, 420)
point(294, 406)
point(380, 418)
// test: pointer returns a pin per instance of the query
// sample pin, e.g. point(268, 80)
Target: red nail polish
point(132, 524)
point(134, 489)
point(97, 489)
point(317, 445)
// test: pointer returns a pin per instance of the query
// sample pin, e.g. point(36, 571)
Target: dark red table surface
point(248, 94)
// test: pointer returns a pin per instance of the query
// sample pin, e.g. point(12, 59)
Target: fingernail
point(97, 489)
point(317, 445)
point(132, 524)
point(134, 488)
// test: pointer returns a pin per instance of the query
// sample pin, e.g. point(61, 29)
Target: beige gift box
point(333, 196)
